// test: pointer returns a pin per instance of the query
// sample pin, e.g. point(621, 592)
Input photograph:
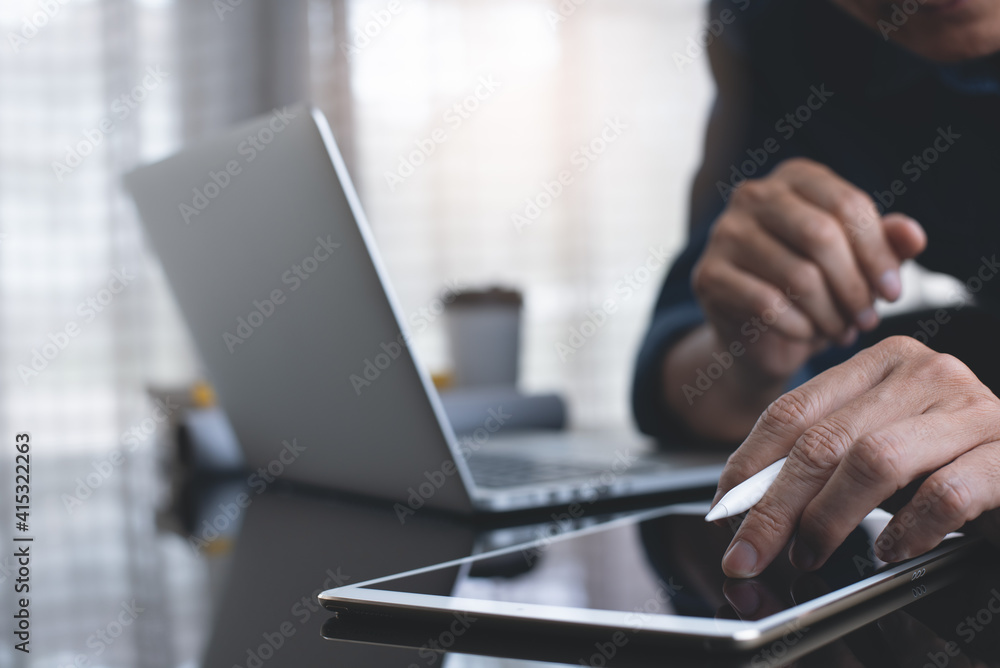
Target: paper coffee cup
point(484, 329)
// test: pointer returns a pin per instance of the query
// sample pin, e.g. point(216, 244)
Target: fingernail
point(867, 319)
point(802, 556)
point(888, 556)
point(890, 553)
point(849, 337)
point(740, 559)
point(891, 285)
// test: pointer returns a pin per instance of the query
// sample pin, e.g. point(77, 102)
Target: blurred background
point(558, 77)
point(92, 88)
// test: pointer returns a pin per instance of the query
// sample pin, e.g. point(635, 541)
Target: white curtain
point(88, 90)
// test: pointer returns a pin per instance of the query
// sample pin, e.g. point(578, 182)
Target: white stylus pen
point(745, 495)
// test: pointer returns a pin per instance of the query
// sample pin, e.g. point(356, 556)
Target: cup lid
point(495, 296)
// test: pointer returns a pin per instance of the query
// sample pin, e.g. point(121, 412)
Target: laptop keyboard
point(491, 470)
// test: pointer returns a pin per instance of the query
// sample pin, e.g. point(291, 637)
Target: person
point(847, 137)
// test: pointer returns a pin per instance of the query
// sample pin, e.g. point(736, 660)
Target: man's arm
point(779, 270)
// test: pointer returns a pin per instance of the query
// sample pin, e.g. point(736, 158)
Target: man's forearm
point(725, 410)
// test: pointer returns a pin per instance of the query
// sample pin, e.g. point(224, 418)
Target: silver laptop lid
point(267, 249)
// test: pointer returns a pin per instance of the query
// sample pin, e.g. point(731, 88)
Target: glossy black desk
point(243, 593)
point(293, 544)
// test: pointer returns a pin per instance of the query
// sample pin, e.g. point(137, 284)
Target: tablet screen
point(668, 564)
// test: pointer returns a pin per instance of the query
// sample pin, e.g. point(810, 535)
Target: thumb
point(905, 235)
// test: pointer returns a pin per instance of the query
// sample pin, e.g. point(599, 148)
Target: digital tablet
point(647, 581)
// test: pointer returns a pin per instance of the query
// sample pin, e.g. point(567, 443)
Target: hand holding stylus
point(745, 495)
point(854, 436)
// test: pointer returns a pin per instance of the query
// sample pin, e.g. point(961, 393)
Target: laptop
point(265, 245)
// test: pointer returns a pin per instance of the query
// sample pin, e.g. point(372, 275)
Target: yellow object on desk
point(202, 395)
point(443, 379)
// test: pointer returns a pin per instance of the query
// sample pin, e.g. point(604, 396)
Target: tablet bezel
point(737, 635)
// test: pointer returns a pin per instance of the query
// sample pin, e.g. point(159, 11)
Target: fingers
point(948, 499)
point(760, 254)
point(854, 436)
point(873, 468)
point(816, 455)
point(860, 220)
point(820, 238)
point(790, 415)
point(736, 297)
point(806, 233)
point(905, 235)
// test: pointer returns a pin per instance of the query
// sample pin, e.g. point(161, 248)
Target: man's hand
point(856, 434)
point(806, 253)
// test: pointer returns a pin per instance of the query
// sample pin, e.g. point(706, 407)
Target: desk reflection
point(290, 547)
point(292, 544)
